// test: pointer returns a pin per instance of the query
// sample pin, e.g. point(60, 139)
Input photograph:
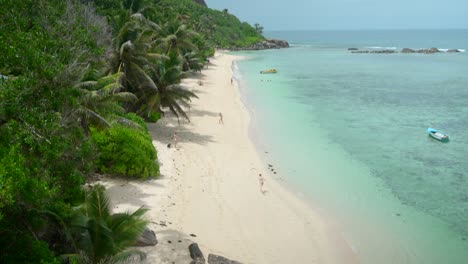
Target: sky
point(348, 14)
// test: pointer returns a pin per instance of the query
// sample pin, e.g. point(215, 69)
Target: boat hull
point(437, 135)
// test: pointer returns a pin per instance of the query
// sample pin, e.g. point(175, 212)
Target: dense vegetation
point(78, 80)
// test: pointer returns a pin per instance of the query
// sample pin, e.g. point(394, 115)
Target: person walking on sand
point(175, 139)
point(220, 119)
point(262, 182)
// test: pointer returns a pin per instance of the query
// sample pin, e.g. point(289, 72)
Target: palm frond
point(89, 85)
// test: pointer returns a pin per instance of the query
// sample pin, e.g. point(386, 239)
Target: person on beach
point(220, 119)
point(262, 182)
point(175, 139)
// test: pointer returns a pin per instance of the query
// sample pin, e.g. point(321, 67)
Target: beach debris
point(215, 259)
point(196, 254)
point(193, 235)
point(148, 238)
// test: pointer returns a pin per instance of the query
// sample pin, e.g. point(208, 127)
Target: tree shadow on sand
point(130, 192)
point(163, 131)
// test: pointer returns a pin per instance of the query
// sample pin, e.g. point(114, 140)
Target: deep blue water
point(349, 132)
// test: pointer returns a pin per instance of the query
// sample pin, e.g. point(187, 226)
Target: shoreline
point(209, 187)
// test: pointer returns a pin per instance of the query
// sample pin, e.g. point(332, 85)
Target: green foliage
point(63, 115)
point(101, 236)
point(125, 151)
point(221, 29)
point(29, 250)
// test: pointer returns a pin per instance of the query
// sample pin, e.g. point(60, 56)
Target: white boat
point(436, 134)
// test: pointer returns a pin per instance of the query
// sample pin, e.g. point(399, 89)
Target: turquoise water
point(349, 132)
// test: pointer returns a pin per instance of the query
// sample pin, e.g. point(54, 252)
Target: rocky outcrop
point(201, 2)
point(407, 50)
point(270, 44)
point(429, 51)
point(383, 51)
point(267, 44)
point(148, 238)
point(215, 259)
point(374, 51)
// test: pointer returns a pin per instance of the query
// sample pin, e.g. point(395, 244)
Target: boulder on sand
point(148, 238)
point(215, 259)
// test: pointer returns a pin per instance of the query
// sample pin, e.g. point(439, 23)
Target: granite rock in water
point(215, 259)
point(429, 51)
point(383, 51)
point(352, 48)
point(407, 50)
point(148, 238)
point(267, 44)
point(453, 50)
point(196, 254)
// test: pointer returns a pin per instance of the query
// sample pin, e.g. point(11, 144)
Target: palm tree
point(103, 237)
point(192, 61)
point(171, 95)
point(177, 37)
point(99, 101)
point(131, 52)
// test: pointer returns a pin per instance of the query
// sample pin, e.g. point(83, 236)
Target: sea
point(347, 132)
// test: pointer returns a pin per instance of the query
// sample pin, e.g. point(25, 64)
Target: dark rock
point(195, 253)
point(193, 235)
point(360, 51)
point(267, 44)
point(215, 259)
point(148, 238)
point(383, 51)
point(407, 50)
point(352, 48)
point(429, 51)
point(453, 50)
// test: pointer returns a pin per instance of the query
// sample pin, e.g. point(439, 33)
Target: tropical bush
point(125, 151)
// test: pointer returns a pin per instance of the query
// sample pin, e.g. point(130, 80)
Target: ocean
point(347, 132)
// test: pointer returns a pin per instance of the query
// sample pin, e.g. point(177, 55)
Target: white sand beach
point(210, 187)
